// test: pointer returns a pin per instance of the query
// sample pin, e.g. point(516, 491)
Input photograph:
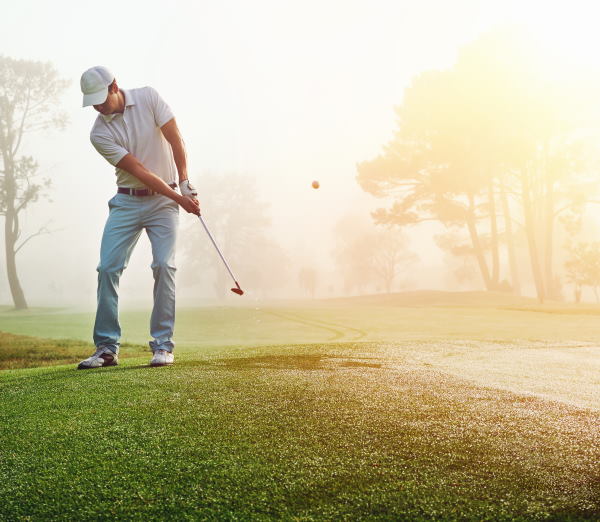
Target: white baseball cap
point(94, 85)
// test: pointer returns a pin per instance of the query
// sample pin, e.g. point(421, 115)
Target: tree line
point(501, 149)
point(497, 145)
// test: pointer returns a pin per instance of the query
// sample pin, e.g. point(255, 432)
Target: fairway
point(317, 410)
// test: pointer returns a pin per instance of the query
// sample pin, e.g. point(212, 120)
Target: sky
point(282, 92)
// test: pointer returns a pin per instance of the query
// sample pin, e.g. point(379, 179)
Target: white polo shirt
point(137, 131)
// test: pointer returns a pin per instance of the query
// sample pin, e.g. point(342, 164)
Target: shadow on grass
point(68, 372)
point(119, 368)
point(284, 362)
point(309, 362)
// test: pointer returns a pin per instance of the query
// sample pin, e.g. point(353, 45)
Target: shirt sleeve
point(111, 151)
point(162, 112)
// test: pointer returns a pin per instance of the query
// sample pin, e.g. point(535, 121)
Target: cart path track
point(339, 331)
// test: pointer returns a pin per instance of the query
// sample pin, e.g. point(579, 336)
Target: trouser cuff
point(112, 347)
point(161, 345)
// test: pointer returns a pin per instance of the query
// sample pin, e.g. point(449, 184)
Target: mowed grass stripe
point(306, 432)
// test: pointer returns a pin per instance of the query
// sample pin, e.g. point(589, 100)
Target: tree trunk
point(389, 271)
point(551, 289)
point(388, 277)
point(528, 213)
point(11, 265)
point(510, 244)
point(472, 225)
point(494, 236)
point(11, 231)
point(388, 286)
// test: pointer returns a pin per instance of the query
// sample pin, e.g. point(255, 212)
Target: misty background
point(269, 96)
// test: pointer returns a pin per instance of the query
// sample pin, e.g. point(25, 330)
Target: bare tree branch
point(43, 230)
point(23, 119)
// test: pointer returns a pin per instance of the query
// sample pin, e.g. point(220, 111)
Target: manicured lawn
point(307, 432)
point(370, 409)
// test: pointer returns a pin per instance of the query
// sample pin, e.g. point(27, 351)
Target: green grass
point(309, 411)
point(21, 351)
point(342, 431)
point(391, 318)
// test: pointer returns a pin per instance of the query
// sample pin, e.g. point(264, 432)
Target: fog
point(281, 93)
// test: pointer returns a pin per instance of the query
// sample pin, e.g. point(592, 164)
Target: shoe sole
point(83, 367)
point(156, 365)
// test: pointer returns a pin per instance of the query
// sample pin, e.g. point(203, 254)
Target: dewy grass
point(21, 351)
point(303, 432)
point(314, 411)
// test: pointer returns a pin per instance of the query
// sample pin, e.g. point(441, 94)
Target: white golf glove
point(187, 190)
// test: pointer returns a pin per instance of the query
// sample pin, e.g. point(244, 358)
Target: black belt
point(141, 192)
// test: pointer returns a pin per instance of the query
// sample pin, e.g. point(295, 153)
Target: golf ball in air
point(315, 184)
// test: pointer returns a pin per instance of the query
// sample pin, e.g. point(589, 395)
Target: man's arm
point(135, 167)
point(173, 136)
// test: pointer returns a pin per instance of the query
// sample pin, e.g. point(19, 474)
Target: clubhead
point(237, 291)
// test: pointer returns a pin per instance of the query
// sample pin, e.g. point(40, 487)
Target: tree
point(458, 256)
point(433, 166)
point(389, 254)
point(497, 125)
point(583, 268)
point(307, 277)
point(29, 92)
point(368, 255)
point(349, 253)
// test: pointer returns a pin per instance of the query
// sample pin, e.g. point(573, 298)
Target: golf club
point(237, 290)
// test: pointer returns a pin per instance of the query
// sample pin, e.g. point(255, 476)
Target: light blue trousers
point(128, 216)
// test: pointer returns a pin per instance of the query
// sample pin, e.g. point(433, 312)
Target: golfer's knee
point(163, 266)
point(109, 270)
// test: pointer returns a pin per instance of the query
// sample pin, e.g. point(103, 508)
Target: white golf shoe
point(162, 358)
point(102, 357)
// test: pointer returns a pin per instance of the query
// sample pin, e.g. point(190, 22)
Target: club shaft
point(219, 252)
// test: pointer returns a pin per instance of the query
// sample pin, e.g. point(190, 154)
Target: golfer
point(136, 133)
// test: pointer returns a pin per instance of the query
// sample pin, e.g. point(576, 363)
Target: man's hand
point(187, 190)
point(190, 204)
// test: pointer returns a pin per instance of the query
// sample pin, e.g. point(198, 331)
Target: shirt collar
point(129, 101)
point(129, 97)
